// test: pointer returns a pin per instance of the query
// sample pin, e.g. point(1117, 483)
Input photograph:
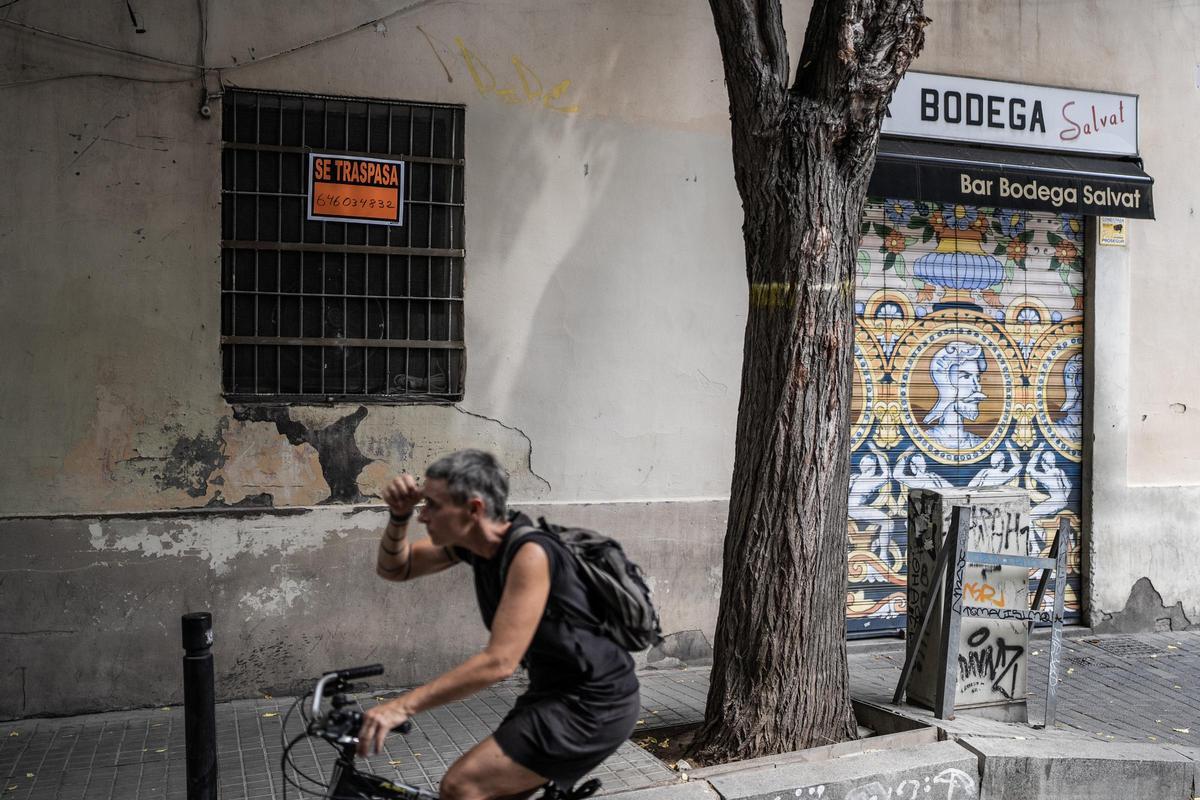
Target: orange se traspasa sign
point(353, 189)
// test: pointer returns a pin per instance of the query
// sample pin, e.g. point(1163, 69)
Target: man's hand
point(378, 723)
point(402, 494)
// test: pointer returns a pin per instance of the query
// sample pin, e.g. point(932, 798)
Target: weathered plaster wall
point(1137, 532)
point(603, 329)
point(92, 604)
point(113, 320)
point(605, 296)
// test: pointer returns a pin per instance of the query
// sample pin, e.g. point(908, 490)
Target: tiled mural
point(968, 373)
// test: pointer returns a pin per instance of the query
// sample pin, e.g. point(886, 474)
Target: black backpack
point(619, 595)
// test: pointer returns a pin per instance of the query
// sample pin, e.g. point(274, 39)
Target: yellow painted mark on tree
point(771, 295)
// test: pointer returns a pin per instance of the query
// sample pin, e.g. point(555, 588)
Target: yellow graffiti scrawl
point(531, 90)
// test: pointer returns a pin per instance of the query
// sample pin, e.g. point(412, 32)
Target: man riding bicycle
point(583, 698)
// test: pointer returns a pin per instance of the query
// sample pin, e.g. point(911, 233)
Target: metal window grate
point(333, 310)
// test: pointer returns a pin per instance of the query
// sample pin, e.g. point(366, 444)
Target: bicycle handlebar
point(354, 673)
point(341, 676)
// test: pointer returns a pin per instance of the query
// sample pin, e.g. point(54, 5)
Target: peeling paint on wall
point(679, 648)
point(1144, 611)
point(272, 601)
point(341, 460)
point(261, 468)
point(216, 541)
point(193, 459)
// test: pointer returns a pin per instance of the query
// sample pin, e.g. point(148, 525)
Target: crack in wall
point(524, 435)
point(337, 451)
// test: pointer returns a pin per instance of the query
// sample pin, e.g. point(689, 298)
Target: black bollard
point(199, 707)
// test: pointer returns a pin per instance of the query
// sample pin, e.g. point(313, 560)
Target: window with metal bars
point(314, 310)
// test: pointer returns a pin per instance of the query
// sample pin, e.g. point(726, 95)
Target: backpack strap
point(510, 549)
point(553, 609)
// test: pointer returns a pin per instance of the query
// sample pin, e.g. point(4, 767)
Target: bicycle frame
point(348, 783)
point(340, 727)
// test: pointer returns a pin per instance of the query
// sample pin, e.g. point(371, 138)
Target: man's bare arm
point(400, 559)
point(526, 592)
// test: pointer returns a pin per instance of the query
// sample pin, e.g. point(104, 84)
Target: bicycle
point(339, 727)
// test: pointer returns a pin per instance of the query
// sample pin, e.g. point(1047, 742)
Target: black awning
point(1055, 182)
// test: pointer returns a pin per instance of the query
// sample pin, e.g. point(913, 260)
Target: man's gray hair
point(474, 473)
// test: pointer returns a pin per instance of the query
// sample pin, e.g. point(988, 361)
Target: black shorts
point(563, 737)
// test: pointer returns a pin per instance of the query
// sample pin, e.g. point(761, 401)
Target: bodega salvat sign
point(1020, 115)
point(1070, 193)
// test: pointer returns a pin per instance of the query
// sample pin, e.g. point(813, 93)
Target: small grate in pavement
point(1088, 661)
point(1128, 647)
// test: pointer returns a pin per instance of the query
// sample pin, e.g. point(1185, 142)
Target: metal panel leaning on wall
point(968, 373)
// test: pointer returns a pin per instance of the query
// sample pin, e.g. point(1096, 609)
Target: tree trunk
point(802, 159)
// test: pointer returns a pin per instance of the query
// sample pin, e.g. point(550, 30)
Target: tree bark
point(802, 159)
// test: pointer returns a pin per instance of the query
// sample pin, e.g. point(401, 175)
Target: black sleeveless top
point(563, 656)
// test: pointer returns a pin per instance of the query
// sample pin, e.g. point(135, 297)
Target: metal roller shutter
point(968, 372)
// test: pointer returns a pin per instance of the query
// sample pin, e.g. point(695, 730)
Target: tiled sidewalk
point(1132, 688)
point(139, 755)
point(1116, 688)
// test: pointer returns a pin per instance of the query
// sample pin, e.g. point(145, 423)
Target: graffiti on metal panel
point(997, 529)
point(988, 664)
point(984, 593)
point(968, 373)
point(1010, 614)
point(948, 784)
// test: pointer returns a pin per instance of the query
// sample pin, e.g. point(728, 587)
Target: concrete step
point(1018, 769)
point(933, 771)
